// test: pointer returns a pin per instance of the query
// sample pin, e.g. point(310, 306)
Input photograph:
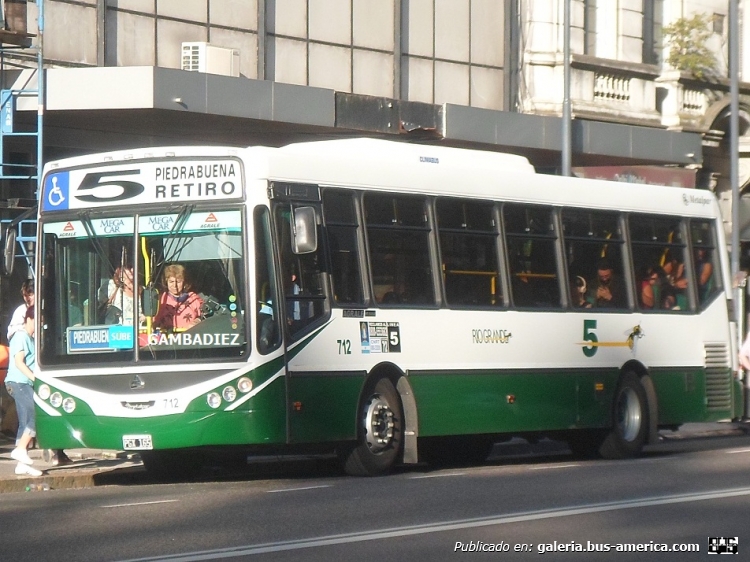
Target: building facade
point(488, 74)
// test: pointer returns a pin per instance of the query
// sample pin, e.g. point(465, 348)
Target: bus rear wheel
point(379, 432)
point(629, 420)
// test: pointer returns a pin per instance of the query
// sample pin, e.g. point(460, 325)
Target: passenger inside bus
point(119, 306)
point(179, 307)
point(703, 273)
point(605, 290)
point(670, 300)
point(651, 287)
point(578, 293)
point(674, 274)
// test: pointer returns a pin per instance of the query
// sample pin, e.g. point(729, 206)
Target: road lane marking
point(437, 475)
point(737, 451)
point(412, 530)
point(139, 503)
point(298, 489)
point(553, 466)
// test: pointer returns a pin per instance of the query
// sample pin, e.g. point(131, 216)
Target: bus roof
point(386, 165)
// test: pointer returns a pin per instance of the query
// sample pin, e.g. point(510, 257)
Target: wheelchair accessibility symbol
point(56, 192)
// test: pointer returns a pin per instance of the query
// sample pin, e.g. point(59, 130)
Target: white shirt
point(122, 301)
point(16, 321)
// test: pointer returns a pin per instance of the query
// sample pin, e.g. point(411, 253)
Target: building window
point(718, 24)
point(652, 36)
point(589, 27)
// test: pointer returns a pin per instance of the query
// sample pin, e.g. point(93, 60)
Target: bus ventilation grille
point(718, 377)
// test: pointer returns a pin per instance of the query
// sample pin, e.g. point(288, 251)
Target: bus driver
point(179, 307)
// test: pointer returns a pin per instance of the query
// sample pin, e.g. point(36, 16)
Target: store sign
point(650, 175)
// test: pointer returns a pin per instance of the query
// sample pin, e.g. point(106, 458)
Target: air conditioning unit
point(199, 56)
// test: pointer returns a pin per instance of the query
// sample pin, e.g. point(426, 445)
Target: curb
point(735, 428)
point(54, 482)
point(84, 472)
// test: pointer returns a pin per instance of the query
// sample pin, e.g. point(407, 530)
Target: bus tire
point(380, 427)
point(630, 420)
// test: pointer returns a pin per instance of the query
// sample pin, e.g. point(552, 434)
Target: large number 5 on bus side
point(588, 335)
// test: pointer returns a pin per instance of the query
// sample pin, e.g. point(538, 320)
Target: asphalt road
point(680, 494)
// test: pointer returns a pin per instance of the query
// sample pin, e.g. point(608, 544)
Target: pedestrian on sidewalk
point(19, 383)
point(58, 456)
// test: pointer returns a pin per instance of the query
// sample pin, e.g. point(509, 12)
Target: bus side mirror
point(9, 251)
point(305, 233)
point(150, 301)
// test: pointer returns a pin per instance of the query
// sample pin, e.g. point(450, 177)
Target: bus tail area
point(389, 302)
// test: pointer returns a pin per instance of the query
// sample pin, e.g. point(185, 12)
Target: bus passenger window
point(658, 249)
point(468, 249)
point(593, 251)
point(530, 238)
point(343, 247)
point(705, 265)
point(398, 239)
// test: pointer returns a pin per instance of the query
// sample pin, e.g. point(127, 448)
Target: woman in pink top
point(179, 308)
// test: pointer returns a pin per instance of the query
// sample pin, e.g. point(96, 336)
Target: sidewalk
point(88, 463)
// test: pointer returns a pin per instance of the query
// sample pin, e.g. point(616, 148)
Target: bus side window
point(530, 238)
point(343, 247)
point(658, 248)
point(398, 239)
point(593, 239)
point(705, 264)
point(468, 249)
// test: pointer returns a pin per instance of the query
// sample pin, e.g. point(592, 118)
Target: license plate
point(137, 442)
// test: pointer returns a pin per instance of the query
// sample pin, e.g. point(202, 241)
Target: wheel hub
point(629, 415)
point(378, 424)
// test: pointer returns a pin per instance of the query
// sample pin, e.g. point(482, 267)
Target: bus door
point(303, 304)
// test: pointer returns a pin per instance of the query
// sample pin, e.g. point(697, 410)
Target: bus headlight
point(245, 385)
point(56, 399)
point(69, 405)
point(213, 399)
point(44, 392)
point(229, 393)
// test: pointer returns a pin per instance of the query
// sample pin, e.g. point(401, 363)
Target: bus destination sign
point(138, 183)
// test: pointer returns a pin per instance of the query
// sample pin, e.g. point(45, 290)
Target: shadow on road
point(234, 467)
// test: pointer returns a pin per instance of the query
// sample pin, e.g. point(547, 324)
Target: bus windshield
point(143, 288)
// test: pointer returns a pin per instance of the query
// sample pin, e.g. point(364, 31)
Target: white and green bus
point(389, 302)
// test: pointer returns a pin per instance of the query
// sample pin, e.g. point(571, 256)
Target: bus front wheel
point(629, 420)
point(379, 432)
